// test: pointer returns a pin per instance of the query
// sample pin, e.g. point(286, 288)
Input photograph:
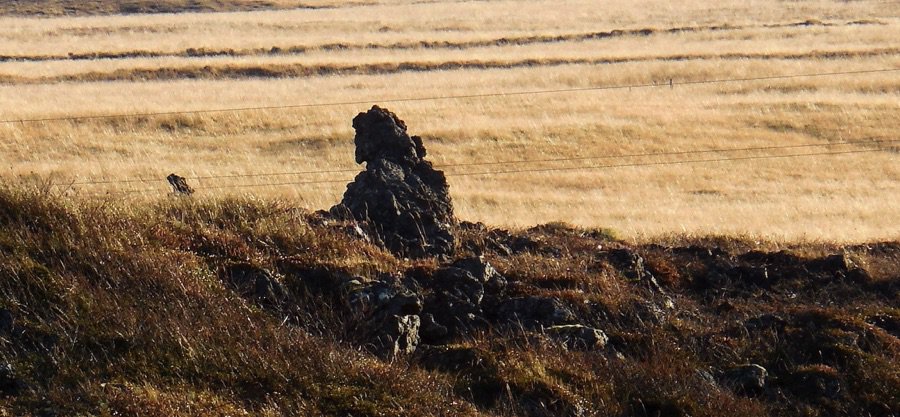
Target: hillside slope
point(245, 307)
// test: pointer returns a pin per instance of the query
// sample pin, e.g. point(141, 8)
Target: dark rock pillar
point(403, 199)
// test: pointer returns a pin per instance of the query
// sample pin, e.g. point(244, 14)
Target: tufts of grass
point(109, 308)
point(119, 310)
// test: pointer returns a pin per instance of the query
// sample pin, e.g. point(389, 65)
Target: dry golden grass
point(403, 49)
point(104, 7)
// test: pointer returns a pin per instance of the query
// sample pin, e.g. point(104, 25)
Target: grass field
point(369, 53)
point(717, 185)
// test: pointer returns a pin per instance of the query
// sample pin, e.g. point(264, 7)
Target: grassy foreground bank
point(114, 309)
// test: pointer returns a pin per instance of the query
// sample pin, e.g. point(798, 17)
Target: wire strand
point(644, 164)
point(534, 170)
point(506, 162)
point(451, 97)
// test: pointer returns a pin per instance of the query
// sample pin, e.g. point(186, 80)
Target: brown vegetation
point(123, 310)
point(749, 289)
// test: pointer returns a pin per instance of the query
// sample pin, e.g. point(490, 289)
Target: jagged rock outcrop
point(400, 196)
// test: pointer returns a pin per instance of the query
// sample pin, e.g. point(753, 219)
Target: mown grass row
point(99, 7)
point(424, 44)
point(276, 70)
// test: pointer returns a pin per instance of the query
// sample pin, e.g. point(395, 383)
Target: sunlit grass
point(846, 198)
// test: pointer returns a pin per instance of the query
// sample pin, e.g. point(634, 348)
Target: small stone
point(398, 335)
point(455, 302)
point(6, 322)
point(750, 378)
point(254, 283)
point(460, 284)
point(578, 337)
point(9, 384)
point(351, 284)
point(484, 272)
point(432, 332)
point(816, 381)
point(535, 311)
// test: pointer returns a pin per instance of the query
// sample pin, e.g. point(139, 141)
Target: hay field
point(375, 52)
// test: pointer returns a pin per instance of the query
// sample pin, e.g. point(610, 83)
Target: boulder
point(578, 337)
point(381, 299)
point(535, 311)
point(388, 313)
point(749, 379)
point(254, 283)
point(815, 382)
point(459, 285)
point(400, 196)
point(432, 332)
point(396, 335)
point(455, 302)
point(483, 272)
point(633, 266)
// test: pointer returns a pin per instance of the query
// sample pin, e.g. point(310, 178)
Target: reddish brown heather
point(113, 309)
